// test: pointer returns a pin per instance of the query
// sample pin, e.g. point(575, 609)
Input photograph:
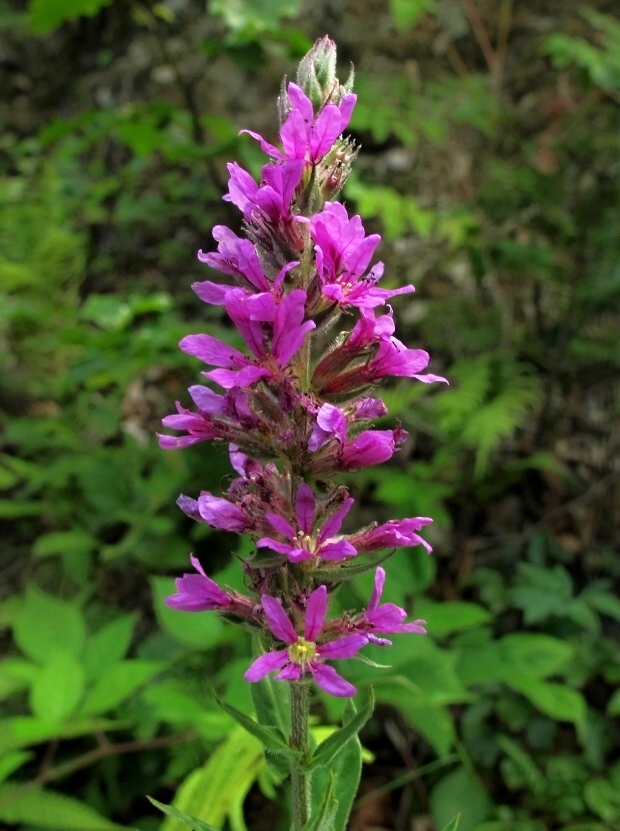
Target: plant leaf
point(270, 737)
point(58, 688)
point(117, 684)
point(191, 822)
point(346, 771)
point(323, 818)
point(327, 750)
point(48, 809)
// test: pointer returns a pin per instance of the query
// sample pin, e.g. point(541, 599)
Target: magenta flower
point(304, 654)
point(394, 358)
point(302, 543)
point(257, 316)
point(305, 137)
point(372, 447)
point(385, 619)
point(218, 417)
point(343, 253)
point(331, 423)
point(397, 533)
point(198, 593)
point(235, 257)
point(222, 514)
point(197, 427)
point(270, 201)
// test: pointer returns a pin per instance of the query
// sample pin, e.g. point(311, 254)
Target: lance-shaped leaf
point(327, 750)
point(346, 770)
point(452, 826)
point(270, 737)
point(323, 818)
point(191, 822)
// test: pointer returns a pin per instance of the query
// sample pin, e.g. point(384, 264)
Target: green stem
point(300, 780)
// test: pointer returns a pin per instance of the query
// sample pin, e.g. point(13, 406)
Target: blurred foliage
point(507, 219)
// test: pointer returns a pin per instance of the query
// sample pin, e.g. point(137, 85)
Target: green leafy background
point(489, 163)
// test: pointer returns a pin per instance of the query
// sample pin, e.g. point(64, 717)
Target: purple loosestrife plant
point(294, 406)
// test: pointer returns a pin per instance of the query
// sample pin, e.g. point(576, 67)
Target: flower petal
point(377, 591)
point(305, 507)
point(315, 613)
point(291, 672)
point(278, 621)
point(219, 513)
point(266, 664)
point(328, 679)
point(275, 545)
point(282, 526)
point(345, 647)
point(332, 526)
point(336, 550)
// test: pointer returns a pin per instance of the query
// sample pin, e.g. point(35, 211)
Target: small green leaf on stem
point(270, 737)
point(328, 749)
point(323, 818)
point(191, 822)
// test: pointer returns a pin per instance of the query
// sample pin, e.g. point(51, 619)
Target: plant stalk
point(300, 780)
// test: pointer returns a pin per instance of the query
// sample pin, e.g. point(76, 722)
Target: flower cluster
point(294, 405)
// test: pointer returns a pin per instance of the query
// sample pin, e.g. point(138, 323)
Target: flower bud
point(316, 75)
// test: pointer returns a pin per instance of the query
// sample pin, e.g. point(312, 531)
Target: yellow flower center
point(306, 542)
point(302, 652)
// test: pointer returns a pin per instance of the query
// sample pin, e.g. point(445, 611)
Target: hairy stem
point(300, 780)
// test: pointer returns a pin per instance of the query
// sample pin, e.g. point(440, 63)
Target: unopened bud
point(333, 170)
point(316, 75)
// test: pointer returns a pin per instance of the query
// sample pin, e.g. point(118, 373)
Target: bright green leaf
point(108, 645)
point(603, 798)
point(327, 750)
point(214, 790)
point(180, 816)
point(555, 700)
point(58, 688)
point(322, 818)
point(48, 809)
point(270, 737)
point(12, 761)
point(23, 731)
point(46, 15)
point(451, 616)
point(346, 771)
point(117, 684)
point(46, 624)
point(457, 794)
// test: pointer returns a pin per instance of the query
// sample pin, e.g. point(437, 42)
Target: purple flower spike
point(301, 543)
point(305, 654)
point(198, 593)
point(313, 334)
point(386, 618)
